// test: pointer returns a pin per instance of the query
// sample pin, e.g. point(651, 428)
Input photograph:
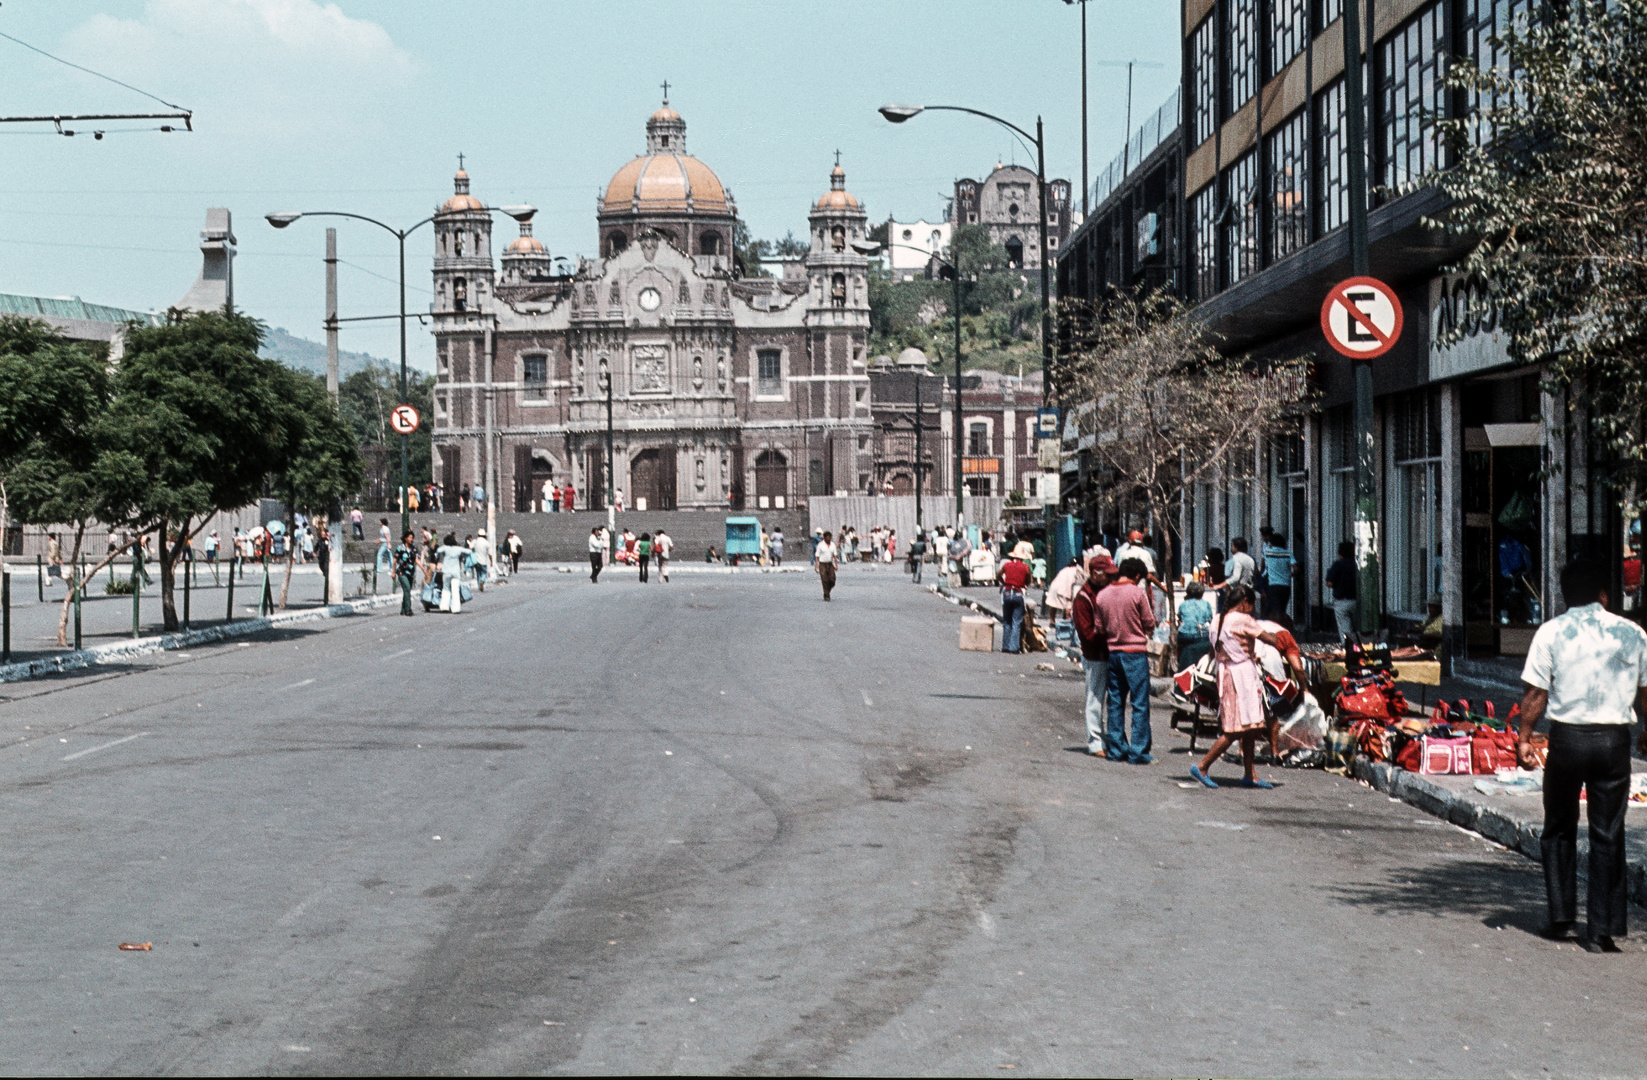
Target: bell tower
point(463, 271)
point(839, 274)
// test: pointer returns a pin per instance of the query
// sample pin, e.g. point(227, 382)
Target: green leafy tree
point(322, 460)
point(1550, 189)
point(365, 399)
point(198, 423)
point(748, 252)
point(53, 396)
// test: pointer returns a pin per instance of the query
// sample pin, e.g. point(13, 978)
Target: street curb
point(1479, 817)
point(965, 601)
point(116, 651)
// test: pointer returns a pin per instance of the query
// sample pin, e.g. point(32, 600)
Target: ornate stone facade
point(725, 390)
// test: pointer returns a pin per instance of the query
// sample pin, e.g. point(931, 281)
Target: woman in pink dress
point(1240, 686)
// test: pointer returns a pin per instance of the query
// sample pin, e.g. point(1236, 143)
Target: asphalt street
point(720, 826)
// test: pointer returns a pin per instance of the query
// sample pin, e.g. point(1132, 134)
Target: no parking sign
point(1361, 317)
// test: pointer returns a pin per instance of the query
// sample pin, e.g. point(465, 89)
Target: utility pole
point(1369, 609)
point(491, 454)
point(920, 460)
point(1049, 385)
point(334, 545)
point(611, 508)
point(960, 487)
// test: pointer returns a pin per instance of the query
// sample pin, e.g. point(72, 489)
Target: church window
point(1015, 251)
point(709, 243)
point(615, 243)
point(535, 369)
point(457, 244)
point(663, 141)
point(837, 290)
point(460, 294)
point(770, 372)
point(477, 243)
point(1013, 209)
point(908, 235)
point(977, 437)
point(972, 219)
point(837, 238)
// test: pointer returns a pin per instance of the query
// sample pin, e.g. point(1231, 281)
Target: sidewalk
point(1516, 822)
point(107, 618)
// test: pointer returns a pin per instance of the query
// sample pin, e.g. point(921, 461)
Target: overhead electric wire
point(99, 74)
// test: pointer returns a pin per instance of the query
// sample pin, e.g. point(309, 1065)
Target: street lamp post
point(611, 490)
point(897, 114)
point(282, 219)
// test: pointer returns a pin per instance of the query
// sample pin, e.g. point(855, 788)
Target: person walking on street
point(1240, 689)
point(212, 544)
point(643, 554)
point(917, 556)
point(484, 561)
point(1278, 564)
point(1126, 617)
point(663, 546)
point(357, 524)
point(825, 558)
point(1094, 650)
point(405, 570)
point(597, 554)
point(1585, 671)
point(450, 582)
point(1341, 578)
point(567, 494)
point(512, 547)
point(777, 547)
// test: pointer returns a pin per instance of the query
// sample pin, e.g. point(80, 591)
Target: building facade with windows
point(1486, 484)
point(912, 247)
point(1007, 202)
point(724, 390)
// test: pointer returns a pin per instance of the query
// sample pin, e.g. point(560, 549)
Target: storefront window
point(1413, 543)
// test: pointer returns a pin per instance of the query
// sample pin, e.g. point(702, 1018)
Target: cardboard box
point(977, 633)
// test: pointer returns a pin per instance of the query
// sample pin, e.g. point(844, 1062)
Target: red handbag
point(1491, 750)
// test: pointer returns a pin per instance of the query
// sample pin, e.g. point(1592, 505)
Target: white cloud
point(270, 68)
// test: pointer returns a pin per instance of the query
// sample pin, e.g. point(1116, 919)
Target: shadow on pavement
point(1503, 896)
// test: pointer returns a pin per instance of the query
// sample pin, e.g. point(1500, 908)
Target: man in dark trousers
point(1094, 650)
point(1127, 620)
point(1585, 670)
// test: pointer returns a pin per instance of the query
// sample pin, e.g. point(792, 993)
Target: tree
point(1167, 411)
point(364, 400)
point(198, 423)
point(53, 396)
point(1550, 189)
point(322, 460)
point(747, 252)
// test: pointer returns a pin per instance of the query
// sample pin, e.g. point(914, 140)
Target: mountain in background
point(309, 355)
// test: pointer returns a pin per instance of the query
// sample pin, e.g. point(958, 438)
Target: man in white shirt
point(1242, 569)
point(662, 546)
point(1134, 549)
point(482, 548)
point(1585, 670)
point(597, 554)
point(824, 557)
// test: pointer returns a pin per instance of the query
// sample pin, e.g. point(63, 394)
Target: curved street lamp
point(897, 114)
point(281, 219)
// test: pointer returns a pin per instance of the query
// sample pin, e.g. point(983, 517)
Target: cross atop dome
point(666, 91)
point(665, 130)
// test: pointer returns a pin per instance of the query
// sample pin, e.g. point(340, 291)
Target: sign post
point(404, 420)
point(1362, 319)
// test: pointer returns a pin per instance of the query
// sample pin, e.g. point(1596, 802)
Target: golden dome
point(525, 245)
point(462, 200)
point(837, 197)
point(665, 182)
point(665, 114)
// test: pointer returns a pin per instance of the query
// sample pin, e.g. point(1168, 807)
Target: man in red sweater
point(1126, 617)
point(1094, 650)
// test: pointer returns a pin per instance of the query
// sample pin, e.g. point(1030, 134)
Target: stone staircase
point(565, 537)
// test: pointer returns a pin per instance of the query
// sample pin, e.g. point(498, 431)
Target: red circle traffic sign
point(404, 419)
point(1361, 317)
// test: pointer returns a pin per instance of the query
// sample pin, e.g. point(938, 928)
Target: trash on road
point(1045, 667)
point(128, 946)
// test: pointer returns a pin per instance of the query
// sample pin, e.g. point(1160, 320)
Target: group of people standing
point(639, 551)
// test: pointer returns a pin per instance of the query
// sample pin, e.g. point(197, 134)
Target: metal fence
point(1152, 133)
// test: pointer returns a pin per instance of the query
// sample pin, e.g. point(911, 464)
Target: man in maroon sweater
point(1094, 650)
point(1127, 620)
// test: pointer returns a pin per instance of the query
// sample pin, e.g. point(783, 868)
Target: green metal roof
point(71, 307)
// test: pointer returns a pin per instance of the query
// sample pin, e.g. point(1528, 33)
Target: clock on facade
point(650, 298)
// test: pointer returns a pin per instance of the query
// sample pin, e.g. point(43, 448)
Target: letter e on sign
point(1361, 318)
point(404, 419)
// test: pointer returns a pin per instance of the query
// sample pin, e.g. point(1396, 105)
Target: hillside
point(309, 355)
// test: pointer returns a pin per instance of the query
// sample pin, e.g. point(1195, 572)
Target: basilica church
point(722, 390)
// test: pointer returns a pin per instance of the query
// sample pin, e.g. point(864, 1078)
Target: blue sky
point(363, 105)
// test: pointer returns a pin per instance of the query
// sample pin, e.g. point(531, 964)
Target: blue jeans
point(1012, 616)
point(1097, 672)
point(1129, 677)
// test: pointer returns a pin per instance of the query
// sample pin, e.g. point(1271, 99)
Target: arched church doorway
point(652, 479)
point(1015, 251)
point(771, 480)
